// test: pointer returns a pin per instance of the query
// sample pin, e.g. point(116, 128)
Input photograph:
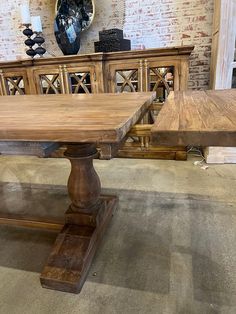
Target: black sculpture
point(72, 17)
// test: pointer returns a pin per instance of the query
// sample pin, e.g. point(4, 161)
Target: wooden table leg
point(86, 221)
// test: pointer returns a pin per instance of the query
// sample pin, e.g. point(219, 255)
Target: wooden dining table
point(197, 118)
point(80, 122)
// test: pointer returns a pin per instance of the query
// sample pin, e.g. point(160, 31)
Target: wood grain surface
point(204, 118)
point(104, 118)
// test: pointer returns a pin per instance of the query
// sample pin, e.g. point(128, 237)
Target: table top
point(104, 118)
point(203, 118)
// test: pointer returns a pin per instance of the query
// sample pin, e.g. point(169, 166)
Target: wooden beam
point(141, 130)
point(30, 222)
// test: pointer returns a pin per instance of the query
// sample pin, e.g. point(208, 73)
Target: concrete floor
point(170, 248)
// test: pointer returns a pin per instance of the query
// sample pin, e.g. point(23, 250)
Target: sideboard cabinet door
point(65, 79)
point(14, 82)
point(161, 77)
point(81, 80)
point(48, 80)
point(124, 76)
point(144, 75)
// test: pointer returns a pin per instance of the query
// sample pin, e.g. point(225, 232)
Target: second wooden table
point(199, 118)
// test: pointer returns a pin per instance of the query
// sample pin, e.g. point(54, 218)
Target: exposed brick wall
point(161, 23)
point(148, 23)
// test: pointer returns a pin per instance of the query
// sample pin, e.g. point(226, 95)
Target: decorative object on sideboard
point(72, 17)
point(36, 28)
point(112, 40)
point(29, 41)
point(26, 21)
point(38, 39)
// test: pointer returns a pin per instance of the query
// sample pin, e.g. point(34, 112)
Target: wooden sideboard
point(161, 70)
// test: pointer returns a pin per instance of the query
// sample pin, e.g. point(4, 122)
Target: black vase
point(68, 25)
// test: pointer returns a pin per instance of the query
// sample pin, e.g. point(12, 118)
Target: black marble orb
point(31, 52)
point(39, 40)
point(40, 50)
point(29, 42)
point(28, 32)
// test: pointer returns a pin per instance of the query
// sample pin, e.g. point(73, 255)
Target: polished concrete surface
point(170, 248)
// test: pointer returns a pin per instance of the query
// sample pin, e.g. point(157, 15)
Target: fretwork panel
point(127, 81)
point(14, 85)
point(50, 84)
point(80, 82)
point(161, 80)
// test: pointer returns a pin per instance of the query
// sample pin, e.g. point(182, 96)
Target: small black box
point(113, 33)
point(112, 45)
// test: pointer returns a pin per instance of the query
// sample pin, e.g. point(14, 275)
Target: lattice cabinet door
point(127, 80)
point(13, 83)
point(161, 77)
point(145, 75)
point(161, 80)
point(49, 80)
point(80, 80)
point(125, 77)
